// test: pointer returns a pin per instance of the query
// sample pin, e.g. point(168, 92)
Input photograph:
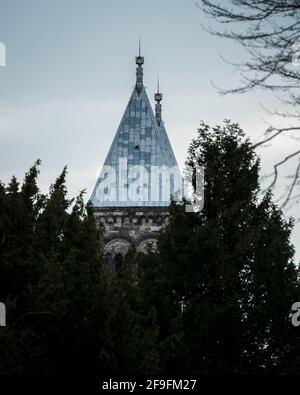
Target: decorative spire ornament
point(139, 60)
point(158, 98)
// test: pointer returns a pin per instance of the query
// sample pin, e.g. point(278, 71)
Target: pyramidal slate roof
point(140, 154)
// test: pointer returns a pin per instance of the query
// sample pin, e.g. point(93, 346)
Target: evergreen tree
point(51, 270)
point(224, 279)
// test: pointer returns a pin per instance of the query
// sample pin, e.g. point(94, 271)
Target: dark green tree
point(134, 327)
point(224, 279)
point(53, 282)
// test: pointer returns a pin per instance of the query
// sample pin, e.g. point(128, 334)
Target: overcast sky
point(70, 71)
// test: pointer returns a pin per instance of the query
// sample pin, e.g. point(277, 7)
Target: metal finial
point(139, 60)
point(158, 99)
point(158, 95)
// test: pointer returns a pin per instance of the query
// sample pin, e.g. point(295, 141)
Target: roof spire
point(158, 98)
point(139, 60)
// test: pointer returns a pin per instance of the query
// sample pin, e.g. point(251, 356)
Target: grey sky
point(70, 71)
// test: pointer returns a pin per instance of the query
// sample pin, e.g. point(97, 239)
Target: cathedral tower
point(139, 176)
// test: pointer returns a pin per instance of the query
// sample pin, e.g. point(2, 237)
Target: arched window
point(118, 261)
point(146, 245)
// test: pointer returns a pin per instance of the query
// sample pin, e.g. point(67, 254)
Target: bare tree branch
point(291, 189)
point(275, 173)
point(269, 32)
point(278, 131)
